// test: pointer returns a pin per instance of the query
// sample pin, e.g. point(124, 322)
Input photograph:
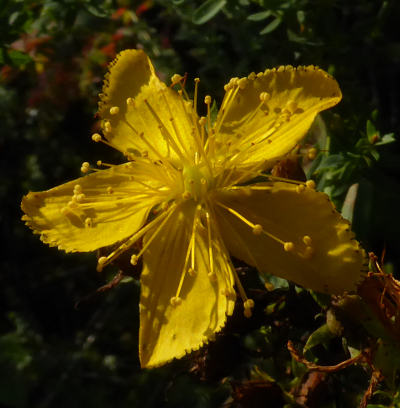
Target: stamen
point(300, 188)
point(107, 127)
point(175, 79)
point(161, 219)
point(228, 99)
point(130, 102)
point(176, 130)
point(288, 246)
point(189, 253)
point(309, 252)
point(311, 184)
point(85, 167)
point(175, 301)
point(254, 227)
point(196, 86)
point(248, 306)
point(96, 137)
point(101, 263)
point(210, 248)
point(312, 153)
point(164, 131)
point(114, 110)
point(207, 101)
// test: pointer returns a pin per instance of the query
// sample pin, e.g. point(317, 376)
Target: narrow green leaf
point(349, 202)
point(371, 130)
point(207, 11)
point(271, 26)
point(262, 15)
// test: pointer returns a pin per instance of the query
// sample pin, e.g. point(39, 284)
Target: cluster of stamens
point(200, 170)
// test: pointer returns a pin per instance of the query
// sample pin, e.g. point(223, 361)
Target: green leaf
point(371, 131)
point(349, 202)
point(386, 139)
point(301, 16)
point(320, 336)
point(262, 15)
point(207, 11)
point(14, 57)
point(271, 26)
point(97, 11)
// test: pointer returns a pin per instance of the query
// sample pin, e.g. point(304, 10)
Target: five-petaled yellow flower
point(186, 194)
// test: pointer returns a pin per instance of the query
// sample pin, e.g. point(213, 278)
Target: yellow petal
point(137, 108)
point(168, 331)
point(90, 212)
point(264, 116)
point(289, 221)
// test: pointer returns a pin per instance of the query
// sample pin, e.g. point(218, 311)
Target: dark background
point(53, 57)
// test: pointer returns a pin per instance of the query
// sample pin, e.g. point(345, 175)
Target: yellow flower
point(186, 193)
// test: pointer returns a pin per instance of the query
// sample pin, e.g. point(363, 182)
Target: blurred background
point(53, 56)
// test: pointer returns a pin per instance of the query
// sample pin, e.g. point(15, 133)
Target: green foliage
point(53, 55)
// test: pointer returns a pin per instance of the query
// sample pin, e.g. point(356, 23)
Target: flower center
point(197, 181)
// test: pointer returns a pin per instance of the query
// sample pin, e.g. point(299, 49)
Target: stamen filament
point(165, 132)
point(134, 238)
point(254, 227)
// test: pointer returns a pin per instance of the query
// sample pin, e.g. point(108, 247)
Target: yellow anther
point(207, 100)
point(242, 83)
point(307, 240)
point(77, 189)
point(252, 76)
point(186, 195)
point(107, 127)
point(202, 120)
point(80, 197)
point(175, 301)
point(88, 222)
point(248, 304)
point(197, 80)
point(264, 96)
point(114, 110)
point(101, 262)
point(308, 253)
point(85, 167)
point(176, 78)
point(191, 272)
point(300, 188)
point(257, 229)
point(72, 204)
point(130, 102)
point(310, 184)
point(288, 246)
point(96, 137)
point(291, 106)
point(99, 163)
point(110, 190)
point(134, 260)
point(312, 153)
